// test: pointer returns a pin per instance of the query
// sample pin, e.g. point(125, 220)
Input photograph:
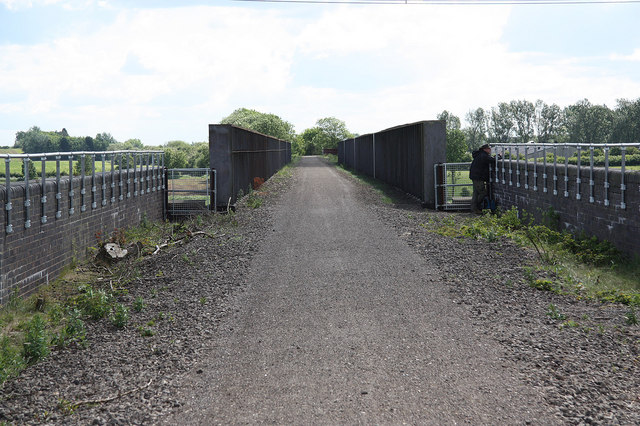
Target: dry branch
point(111, 398)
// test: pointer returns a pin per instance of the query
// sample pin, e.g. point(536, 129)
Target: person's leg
point(483, 191)
point(479, 190)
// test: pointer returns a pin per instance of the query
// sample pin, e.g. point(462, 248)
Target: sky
point(163, 70)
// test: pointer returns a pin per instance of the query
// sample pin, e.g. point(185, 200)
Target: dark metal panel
point(240, 156)
point(402, 156)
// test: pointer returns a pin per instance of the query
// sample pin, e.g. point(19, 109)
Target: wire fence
point(190, 191)
point(453, 186)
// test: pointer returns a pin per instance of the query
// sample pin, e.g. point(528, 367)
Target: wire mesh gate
point(190, 191)
point(453, 186)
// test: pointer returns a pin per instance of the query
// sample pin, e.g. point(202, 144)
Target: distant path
point(343, 323)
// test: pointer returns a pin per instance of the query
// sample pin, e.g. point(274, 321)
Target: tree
point(201, 154)
point(453, 122)
point(331, 131)
point(174, 159)
point(33, 141)
point(88, 143)
point(587, 123)
point(65, 144)
point(457, 150)
point(267, 124)
point(477, 130)
point(523, 114)
point(306, 144)
point(549, 122)
point(102, 141)
point(456, 147)
point(500, 124)
point(626, 122)
point(325, 134)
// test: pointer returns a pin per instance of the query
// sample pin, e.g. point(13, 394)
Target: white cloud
point(164, 74)
point(633, 57)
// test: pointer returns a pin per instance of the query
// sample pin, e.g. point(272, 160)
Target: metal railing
point(191, 191)
point(522, 165)
point(453, 186)
point(137, 172)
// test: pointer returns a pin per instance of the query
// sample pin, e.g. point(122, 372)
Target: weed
point(554, 313)
point(120, 316)
point(544, 285)
point(35, 346)
point(145, 332)
point(66, 407)
point(570, 324)
point(73, 332)
point(203, 300)
point(630, 317)
point(96, 304)
point(617, 296)
point(254, 201)
point(11, 361)
point(138, 304)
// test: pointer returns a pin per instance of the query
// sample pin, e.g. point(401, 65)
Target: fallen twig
point(111, 398)
point(190, 234)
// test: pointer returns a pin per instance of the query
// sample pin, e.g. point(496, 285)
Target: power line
point(450, 2)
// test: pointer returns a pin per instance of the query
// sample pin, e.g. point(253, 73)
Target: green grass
point(50, 168)
point(382, 188)
point(584, 267)
point(55, 316)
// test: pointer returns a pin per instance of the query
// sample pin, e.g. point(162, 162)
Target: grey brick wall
point(598, 210)
point(31, 257)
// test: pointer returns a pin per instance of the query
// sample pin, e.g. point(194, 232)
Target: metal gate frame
point(446, 197)
point(198, 199)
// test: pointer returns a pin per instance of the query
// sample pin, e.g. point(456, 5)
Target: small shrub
point(138, 304)
point(120, 316)
point(570, 324)
point(630, 317)
point(145, 332)
point(554, 313)
point(591, 251)
point(511, 219)
point(11, 361)
point(544, 285)
point(96, 304)
point(73, 332)
point(616, 296)
point(35, 346)
point(254, 201)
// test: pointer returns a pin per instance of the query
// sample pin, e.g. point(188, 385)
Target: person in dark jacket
point(479, 175)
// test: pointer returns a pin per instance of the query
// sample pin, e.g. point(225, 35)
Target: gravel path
point(327, 306)
point(343, 323)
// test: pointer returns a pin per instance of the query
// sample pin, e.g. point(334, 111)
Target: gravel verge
point(185, 289)
point(590, 372)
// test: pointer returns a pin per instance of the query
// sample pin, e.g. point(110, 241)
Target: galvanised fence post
point(43, 191)
point(27, 194)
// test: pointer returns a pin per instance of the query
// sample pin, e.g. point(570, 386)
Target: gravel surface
point(202, 296)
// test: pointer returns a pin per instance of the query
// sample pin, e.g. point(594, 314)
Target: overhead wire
point(449, 2)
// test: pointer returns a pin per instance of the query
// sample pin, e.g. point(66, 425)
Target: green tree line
point(517, 121)
point(521, 121)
